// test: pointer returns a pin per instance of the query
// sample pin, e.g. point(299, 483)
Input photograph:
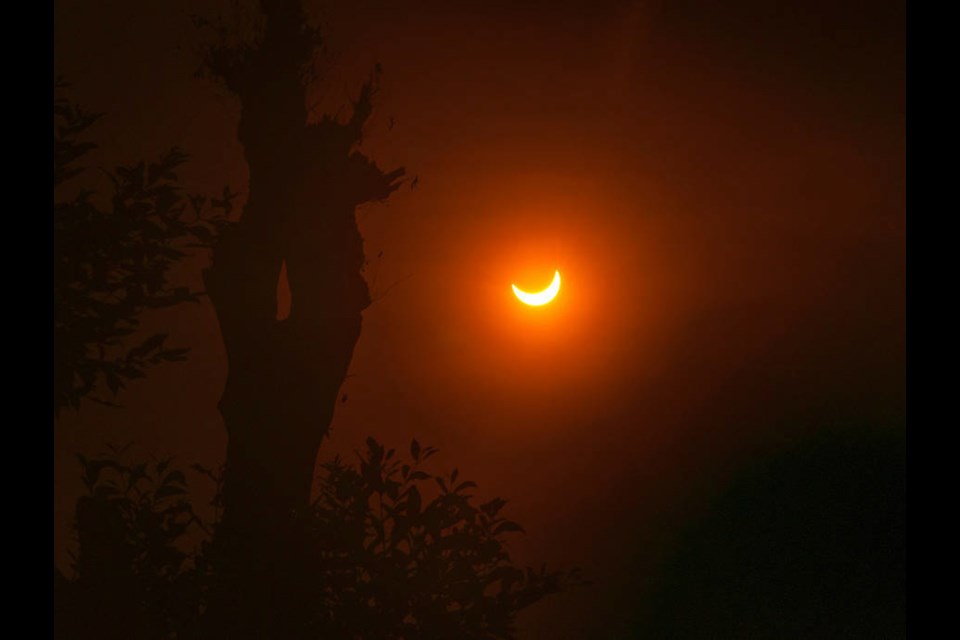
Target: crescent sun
point(539, 298)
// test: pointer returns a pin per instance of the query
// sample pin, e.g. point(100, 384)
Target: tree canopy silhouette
point(113, 254)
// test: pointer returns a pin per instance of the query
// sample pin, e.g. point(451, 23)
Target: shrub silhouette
point(398, 564)
point(390, 551)
point(112, 257)
point(134, 579)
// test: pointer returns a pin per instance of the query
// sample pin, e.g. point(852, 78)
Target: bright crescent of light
point(539, 298)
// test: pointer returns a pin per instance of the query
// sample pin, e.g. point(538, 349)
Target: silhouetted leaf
point(152, 343)
point(114, 383)
point(413, 502)
point(105, 491)
point(174, 477)
point(162, 465)
point(506, 526)
point(173, 355)
point(167, 491)
point(202, 233)
point(492, 507)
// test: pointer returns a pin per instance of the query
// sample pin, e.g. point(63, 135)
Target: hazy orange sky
point(722, 188)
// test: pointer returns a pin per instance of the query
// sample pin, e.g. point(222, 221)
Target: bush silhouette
point(112, 257)
point(390, 550)
point(134, 579)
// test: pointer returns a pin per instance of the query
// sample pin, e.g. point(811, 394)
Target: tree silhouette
point(378, 554)
point(112, 261)
point(284, 376)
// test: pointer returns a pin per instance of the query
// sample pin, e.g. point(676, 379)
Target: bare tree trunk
point(284, 375)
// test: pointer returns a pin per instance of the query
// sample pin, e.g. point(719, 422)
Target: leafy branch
point(113, 259)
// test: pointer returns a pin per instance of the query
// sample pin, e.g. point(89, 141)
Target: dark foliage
point(395, 552)
point(409, 554)
point(112, 258)
point(133, 576)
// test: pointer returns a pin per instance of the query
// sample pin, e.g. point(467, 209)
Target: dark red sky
point(721, 184)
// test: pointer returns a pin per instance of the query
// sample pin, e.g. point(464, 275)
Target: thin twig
point(388, 289)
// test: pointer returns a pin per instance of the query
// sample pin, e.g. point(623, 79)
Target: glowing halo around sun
point(539, 298)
